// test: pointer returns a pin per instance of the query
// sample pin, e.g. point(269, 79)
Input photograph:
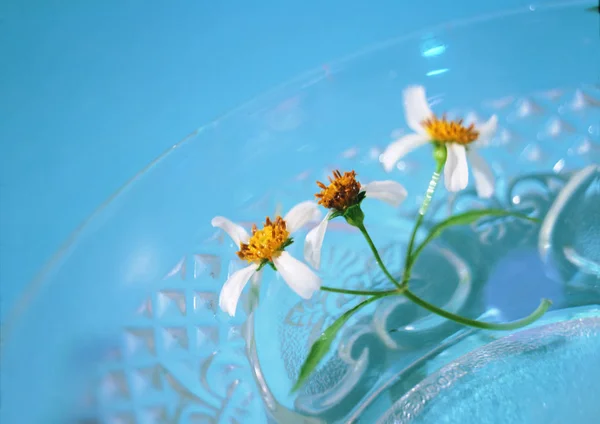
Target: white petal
point(395, 151)
point(297, 275)
point(232, 289)
point(416, 107)
point(487, 130)
point(456, 171)
point(237, 233)
point(388, 191)
point(301, 214)
point(314, 242)
point(257, 277)
point(482, 173)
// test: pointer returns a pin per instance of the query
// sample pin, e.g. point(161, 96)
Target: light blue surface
point(540, 375)
point(93, 91)
point(142, 242)
point(554, 382)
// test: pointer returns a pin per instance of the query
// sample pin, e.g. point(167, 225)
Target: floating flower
point(459, 140)
point(342, 197)
point(267, 247)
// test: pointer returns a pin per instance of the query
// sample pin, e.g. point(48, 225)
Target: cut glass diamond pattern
point(171, 303)
point(207, 338)
point(499, 104)
point(556, 128)
point(206, 303)
point(582, 101)
point(207, 264)
point(146, 380)
point(533, 153)
point(114, 386)
point(145, 309)
point(553, 94)
point(527, 107)
point(139, 342)
point(179, 270)
point(175, 338)
point(587, 148)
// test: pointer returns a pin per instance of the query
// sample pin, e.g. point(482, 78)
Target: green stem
point(364, 232)
point(422, 246)
point(464, 219)
point(541, 310)
point(435, 177)
point(411, 244)
point(321, 347)
point(359, 292)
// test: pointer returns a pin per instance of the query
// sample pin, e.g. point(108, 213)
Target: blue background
point(92, 91)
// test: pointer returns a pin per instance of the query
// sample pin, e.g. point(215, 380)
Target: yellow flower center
point(341, 193)
point(265, 244)
point(444, 131)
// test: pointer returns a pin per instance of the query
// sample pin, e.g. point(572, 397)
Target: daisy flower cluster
point(455, 148)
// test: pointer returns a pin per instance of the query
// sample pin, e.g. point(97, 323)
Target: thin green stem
point(321, 347)
point(365, 233)
point(381, 295)
point(422, 246)
point(435, 178)
point(411, 243)
point(408, 262)
point(465, 218)
point(360, 292)
point(535, 315)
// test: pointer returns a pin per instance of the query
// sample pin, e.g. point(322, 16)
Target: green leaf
point(335, 214)
point(286, 243)
point(361, 196)
point(262, 264)
point(470, 217)
point(465, 218)
point(440, 154)
point(354, 216)
point(320, 348)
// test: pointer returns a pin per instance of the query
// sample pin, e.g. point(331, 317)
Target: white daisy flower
point(461, 143)
point(267, 246)
point(342, 193)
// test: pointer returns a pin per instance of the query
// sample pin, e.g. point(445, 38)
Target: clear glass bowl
point(123, 325)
